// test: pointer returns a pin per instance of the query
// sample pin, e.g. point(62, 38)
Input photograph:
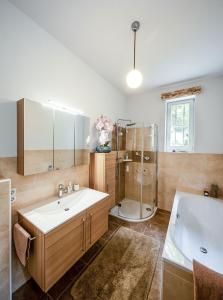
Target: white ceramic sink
point(48, 216)
point(61, 205)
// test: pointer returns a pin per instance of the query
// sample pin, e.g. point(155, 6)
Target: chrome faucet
point(61, 190)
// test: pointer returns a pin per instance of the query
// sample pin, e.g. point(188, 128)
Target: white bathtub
point(196, 221)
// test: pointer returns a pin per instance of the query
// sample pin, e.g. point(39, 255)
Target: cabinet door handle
point(107, 187)
point(83, 241)
point(90, 226)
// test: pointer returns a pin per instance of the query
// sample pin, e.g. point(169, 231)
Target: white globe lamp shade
point(134, 79)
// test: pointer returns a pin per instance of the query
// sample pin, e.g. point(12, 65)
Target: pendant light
point(134, 77)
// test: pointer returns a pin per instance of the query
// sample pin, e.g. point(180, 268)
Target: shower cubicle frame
point(127, 123)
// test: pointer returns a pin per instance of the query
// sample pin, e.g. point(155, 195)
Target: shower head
point(130, 124)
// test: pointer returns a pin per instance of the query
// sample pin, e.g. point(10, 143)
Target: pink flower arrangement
point(104, 126)
point(104, 123)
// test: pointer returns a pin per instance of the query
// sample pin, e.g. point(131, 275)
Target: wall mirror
point(50, 139)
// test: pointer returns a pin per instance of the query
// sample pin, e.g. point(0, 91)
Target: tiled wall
point(39, 161)
point(180, 279)
point(30, 189)
point(133, 181)
point(140, 138)
point(121, 138)
point(187, 172)
point(130, 172)
point(120, 186)
point(176, 171)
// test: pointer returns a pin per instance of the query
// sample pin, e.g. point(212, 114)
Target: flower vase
point(103, 149)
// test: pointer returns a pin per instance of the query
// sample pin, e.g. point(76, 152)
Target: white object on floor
point(130, 211)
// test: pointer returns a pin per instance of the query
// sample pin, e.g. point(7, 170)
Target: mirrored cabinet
point(49, 139)
point(34, 138)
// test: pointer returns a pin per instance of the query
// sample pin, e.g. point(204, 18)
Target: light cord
point(134, 64)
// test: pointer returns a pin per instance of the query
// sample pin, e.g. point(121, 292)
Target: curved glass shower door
point(136, 171)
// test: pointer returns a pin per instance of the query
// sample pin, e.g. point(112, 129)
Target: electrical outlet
point(13, 195)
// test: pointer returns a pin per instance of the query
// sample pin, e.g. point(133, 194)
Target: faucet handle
point(60, 186)
point(61, 189)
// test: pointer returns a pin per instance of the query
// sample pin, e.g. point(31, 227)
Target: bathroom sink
point(48, 216)
point(61, 205)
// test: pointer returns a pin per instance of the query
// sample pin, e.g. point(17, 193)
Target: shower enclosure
point(136, 170)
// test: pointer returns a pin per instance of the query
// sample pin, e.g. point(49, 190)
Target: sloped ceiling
point(178, 39)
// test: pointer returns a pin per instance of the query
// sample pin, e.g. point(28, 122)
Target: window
point(180, 125)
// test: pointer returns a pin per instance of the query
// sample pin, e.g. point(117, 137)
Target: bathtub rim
point(171, 253)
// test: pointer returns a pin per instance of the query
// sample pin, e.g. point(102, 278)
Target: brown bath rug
point(123, 270)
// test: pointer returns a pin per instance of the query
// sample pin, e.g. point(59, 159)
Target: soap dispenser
point(69, 187)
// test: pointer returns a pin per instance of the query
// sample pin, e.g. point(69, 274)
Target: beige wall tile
point(33, 188)
point(175, 288)
point(177, 283)
point(37, 161)
point(4, 239)
point(187, 172)
point(133, 182)
point(4, 291)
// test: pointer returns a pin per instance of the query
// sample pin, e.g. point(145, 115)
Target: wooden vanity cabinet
point(102, 173)
point(97, 222)
point(64, 246)
point(54, 253)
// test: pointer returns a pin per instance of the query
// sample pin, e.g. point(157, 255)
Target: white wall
point(7, 121)
point(34, 65)
point(149, 108)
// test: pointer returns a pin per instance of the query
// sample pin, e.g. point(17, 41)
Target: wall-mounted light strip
point(63, 108)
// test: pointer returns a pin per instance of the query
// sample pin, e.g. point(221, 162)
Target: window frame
point(168, 104)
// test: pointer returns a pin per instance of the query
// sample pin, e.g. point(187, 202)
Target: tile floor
point(156, 227)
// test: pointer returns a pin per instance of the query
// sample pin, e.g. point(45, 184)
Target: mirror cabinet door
point(35, 137)
point(82, 140)
point(63, 140)
point(38, 138)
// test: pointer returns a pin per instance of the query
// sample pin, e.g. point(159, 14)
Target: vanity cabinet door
point(63, 247)
point(97, 222)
